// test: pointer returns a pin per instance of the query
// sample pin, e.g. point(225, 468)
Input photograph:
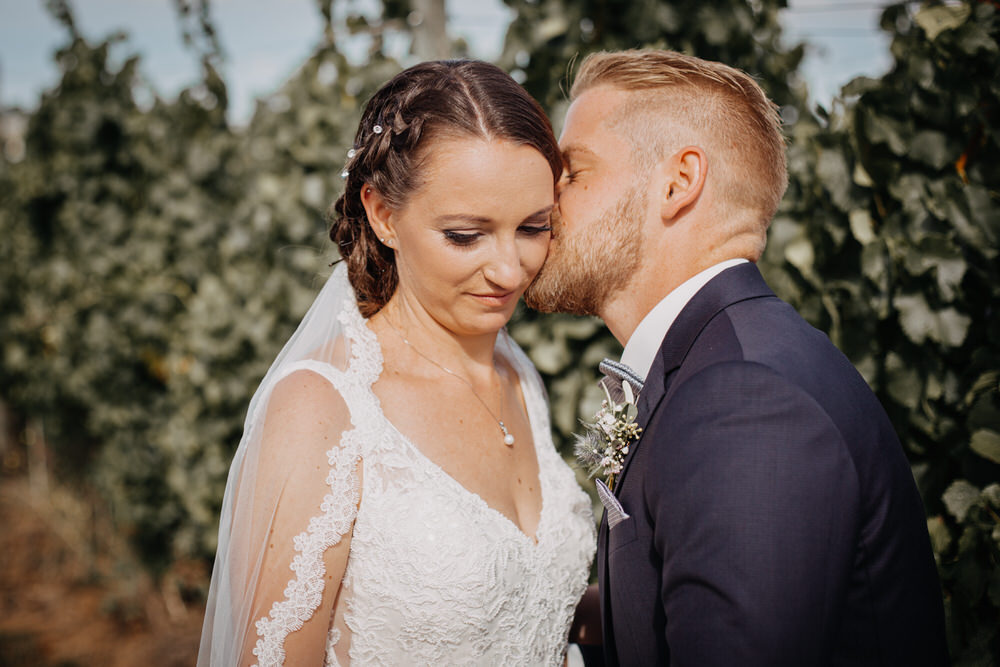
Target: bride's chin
point(486, 323)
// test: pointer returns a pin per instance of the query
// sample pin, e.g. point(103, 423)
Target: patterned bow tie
point(615, 373)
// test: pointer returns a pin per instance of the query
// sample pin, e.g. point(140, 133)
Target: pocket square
point(616, 513)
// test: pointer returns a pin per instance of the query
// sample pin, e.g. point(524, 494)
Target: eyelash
point(460, 239)
point(465, 240)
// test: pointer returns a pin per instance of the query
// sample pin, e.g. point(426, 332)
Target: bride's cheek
point(537, 258)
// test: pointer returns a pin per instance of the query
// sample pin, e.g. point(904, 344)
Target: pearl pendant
point(508, 439)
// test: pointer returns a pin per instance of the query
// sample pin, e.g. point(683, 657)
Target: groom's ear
point(378, 212)
point(685, 178)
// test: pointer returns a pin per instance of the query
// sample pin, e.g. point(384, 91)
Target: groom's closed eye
point(567, 176)
point(574, 159)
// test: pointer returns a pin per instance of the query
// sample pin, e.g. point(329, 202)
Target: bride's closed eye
point(534, 230)
point(533, 225)
point(465, 239)
point(461, 238)
point(537, 223)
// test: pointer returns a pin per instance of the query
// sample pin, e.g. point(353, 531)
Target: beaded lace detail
point(435, 575)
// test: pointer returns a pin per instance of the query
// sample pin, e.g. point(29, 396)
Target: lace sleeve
point(297, 497)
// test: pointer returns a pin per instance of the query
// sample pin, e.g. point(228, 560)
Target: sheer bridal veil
point(247, 524)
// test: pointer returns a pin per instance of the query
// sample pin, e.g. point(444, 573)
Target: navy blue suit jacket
point(774, 519)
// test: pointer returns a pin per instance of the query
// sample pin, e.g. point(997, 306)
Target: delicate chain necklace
point(508, 437)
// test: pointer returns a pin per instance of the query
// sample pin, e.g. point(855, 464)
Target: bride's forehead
point(463, 176)
point(476, 157)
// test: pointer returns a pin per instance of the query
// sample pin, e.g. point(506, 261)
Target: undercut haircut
point(681, 100)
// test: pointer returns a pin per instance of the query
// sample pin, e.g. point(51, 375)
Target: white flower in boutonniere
point(605, 443)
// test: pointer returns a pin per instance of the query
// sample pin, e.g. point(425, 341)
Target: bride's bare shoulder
point(305, 407)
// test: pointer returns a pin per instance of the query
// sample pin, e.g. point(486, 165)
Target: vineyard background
point(154, 257)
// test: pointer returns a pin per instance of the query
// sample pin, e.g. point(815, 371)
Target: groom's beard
point(587, 265)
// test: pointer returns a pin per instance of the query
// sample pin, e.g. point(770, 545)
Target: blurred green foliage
point(154, 258)
point(888, 240)
point(154, 261)
point(547, 37)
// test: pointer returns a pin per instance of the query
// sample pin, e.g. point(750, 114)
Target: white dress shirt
point(642, 346)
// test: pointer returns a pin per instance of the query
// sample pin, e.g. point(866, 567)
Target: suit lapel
point(733, 285)
point(603, 590)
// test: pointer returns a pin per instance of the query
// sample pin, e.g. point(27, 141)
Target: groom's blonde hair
point(680, 100)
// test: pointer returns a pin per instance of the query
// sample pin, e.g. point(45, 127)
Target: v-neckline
point(533, 541)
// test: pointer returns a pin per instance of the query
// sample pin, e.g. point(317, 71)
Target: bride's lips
point(490, 299)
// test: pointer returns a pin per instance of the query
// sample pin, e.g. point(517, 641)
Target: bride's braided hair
point(448, 98)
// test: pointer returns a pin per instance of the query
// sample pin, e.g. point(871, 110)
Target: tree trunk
point(430, 36)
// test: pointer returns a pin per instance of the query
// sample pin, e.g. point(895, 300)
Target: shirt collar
point(642, 345)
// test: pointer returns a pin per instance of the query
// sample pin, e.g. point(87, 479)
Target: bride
point(396, 497)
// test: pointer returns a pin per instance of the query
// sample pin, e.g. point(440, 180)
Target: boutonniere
point(606, 441)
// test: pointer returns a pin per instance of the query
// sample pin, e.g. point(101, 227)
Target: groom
point(767, 514)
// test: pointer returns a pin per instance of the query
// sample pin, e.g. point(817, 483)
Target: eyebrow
point(483, 220)
point(574, 149)
point(463, 217)
point(540, 213)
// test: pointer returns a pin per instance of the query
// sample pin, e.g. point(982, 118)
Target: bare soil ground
point(61, 605)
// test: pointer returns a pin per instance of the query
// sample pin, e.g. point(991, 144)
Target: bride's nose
point(503, 269)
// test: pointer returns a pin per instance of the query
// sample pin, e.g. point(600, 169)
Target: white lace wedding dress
point(435, 575)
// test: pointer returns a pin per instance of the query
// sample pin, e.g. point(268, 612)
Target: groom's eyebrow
point(573, 149)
